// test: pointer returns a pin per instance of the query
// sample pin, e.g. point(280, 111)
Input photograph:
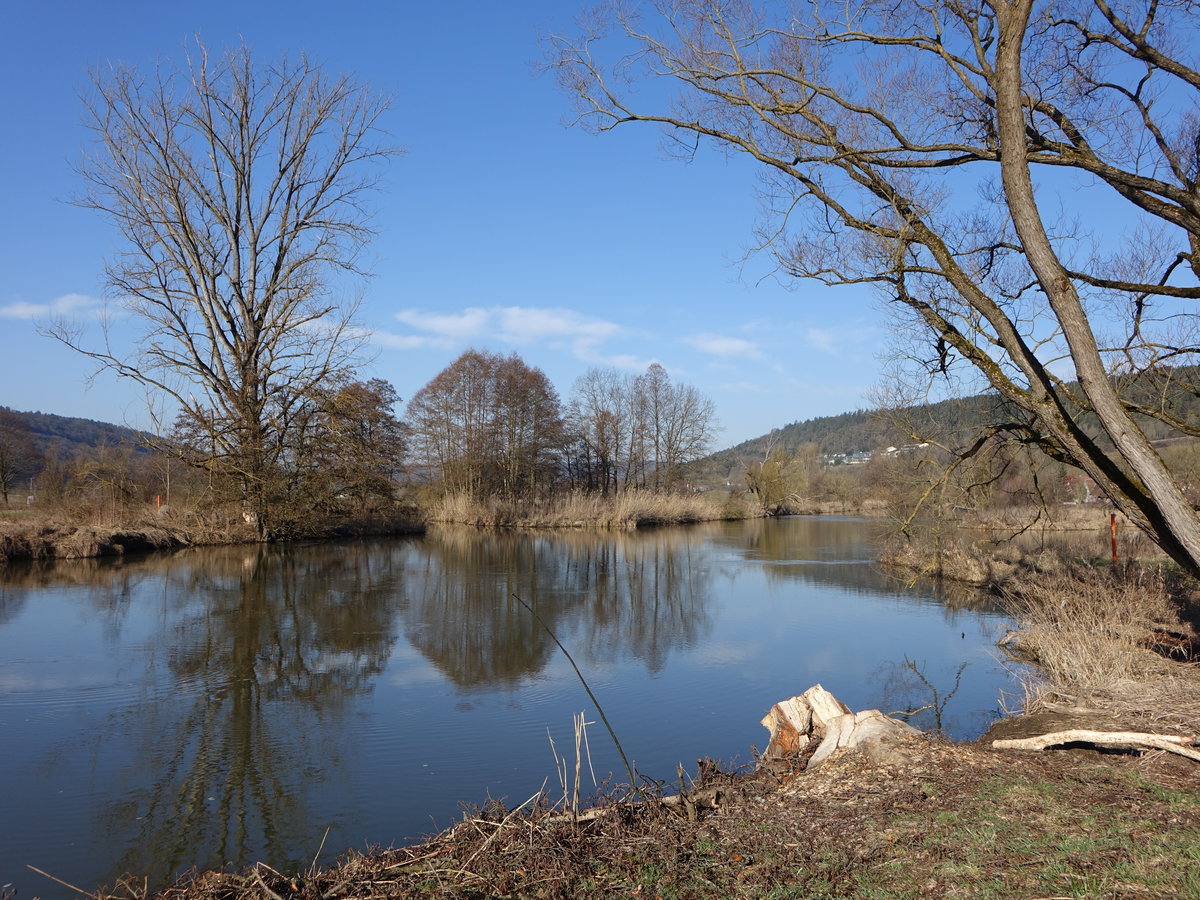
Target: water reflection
point(221, 706)
point(261, 649)
point(610, 595)
point(840, 552)
point(648, 595)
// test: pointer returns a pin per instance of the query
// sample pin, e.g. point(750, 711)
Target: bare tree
point(239, 190)
point(18, 456)
point(600, 415)
point(487, 425)
point(639, 432)
point(679, 423)
point(360, 441)
point(880, 126)
point(528, 426)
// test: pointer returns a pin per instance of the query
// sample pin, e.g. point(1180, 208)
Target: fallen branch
point(1119, 740)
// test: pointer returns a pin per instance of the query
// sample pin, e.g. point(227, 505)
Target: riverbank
point(627, 509)
point(939, 820)
point(960, 821)
point(33, 537)
point(991, 548)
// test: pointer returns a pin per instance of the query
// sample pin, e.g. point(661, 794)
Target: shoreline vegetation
point(43, 537)
point(993, 548)
point(66, 534)
point(623, 510)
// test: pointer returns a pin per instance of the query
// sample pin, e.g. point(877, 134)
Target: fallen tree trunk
point(1117, 740)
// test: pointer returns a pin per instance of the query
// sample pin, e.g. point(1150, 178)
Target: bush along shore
point(1114, 811)
point(988, 549)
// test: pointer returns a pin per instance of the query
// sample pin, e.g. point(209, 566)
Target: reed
point(1092, 634)
point(628, 509)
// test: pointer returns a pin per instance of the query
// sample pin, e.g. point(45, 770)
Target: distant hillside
point(66, 435)
point(862, 431)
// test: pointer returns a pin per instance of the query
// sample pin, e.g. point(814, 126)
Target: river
point(219, 706)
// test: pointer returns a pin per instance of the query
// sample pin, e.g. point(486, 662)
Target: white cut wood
point(825, 707)
point(1120, 740)
point(817, 715)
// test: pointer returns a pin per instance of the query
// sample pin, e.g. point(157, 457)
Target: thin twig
point(633, 779)
point(499, 826)
point(313, 866)
point(270, 893)
point(65, 884)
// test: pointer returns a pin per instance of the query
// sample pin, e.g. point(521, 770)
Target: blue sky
point(500, 228)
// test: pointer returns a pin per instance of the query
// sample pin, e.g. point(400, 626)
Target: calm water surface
point(221, 706)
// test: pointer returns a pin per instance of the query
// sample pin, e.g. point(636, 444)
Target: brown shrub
point(1091, 633)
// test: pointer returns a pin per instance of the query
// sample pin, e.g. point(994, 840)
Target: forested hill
point(863, 431)
point(65, 435)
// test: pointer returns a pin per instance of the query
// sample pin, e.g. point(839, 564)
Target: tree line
point(487, 425)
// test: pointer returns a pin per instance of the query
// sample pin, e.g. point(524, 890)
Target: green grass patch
point(1018, 837)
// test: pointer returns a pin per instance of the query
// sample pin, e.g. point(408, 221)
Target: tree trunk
point(1161, 510)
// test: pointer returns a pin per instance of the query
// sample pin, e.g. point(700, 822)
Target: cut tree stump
point(1117, 740)
point(808, 729)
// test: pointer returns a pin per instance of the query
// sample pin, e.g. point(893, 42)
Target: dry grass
point(991, 548)
point(48, 539)
point(1116, 640)
point(962, 558)
point(629, 509)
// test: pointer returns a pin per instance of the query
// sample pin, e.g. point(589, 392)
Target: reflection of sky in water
point(372, 687)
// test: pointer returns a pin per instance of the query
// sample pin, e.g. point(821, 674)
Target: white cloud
point(395, 341)
point(582, 335)
point(465, 325)
point(850, 340)
point(520, 324)
point(60, 306)
point(723, 346)
point(823, 339)
point(744, 387)
point(616, 360)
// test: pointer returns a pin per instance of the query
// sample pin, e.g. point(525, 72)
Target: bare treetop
point(940, 151)
point(240, 190)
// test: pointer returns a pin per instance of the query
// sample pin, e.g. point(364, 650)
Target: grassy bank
point(990, 548)
point(73, 534)
point(628, 509)
point(955, 820)
point(866, 507)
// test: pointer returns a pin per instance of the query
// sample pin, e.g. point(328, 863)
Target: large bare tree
point(239, 190)
point(637, 432)
point(1018, 177)
point(487, 425)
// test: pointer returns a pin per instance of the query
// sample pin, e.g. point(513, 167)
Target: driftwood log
point(808, 729)
point(1117, 740)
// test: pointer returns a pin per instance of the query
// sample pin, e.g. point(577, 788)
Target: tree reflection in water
point(266, 646)
point(221, 706)
point(610, 593)
point(841, 553)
